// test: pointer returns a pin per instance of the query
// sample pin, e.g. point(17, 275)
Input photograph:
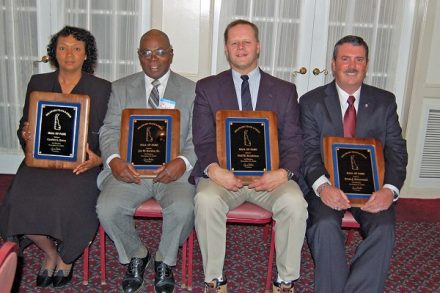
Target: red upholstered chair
point(148, 209)
point(349, 222)
point(8, 265)
point(251, 214)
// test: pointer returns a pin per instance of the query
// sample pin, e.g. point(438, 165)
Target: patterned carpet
point(415, 265)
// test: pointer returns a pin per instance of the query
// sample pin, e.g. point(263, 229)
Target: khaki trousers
point(289, 209)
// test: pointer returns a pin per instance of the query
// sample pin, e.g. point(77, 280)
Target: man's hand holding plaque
point(270, 180)
point(170, 172)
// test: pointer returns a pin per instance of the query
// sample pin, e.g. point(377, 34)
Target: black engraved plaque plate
point(149, 144)
point(355, 172)
point(57, 129)
point(247, 139)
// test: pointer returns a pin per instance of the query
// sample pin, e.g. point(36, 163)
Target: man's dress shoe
point(134, 277)
point(164, 280)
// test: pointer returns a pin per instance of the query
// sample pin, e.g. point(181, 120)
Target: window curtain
point(116, 25)
point(378, 22)
point(279, 26)
point(18, 19)
point(281, 23)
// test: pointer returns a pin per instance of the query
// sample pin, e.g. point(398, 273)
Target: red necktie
point(350, 118)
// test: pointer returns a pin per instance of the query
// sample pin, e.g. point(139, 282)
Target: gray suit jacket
point(376, 118)
point(129, 92)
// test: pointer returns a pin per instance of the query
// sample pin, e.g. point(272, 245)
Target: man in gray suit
point(322, 112)
point(122, 189)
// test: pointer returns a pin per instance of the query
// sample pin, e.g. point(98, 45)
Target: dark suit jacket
point(96, 88)
point(376, 118)
point(218, 93)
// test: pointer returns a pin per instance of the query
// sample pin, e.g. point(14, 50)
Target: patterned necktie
point(153, 101)
point(246, 101)
point(350, 118)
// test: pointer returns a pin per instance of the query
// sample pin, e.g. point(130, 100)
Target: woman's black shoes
point(62, 277)
point(45, 278)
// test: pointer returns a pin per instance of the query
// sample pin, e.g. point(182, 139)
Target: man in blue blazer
point(218, 190)
point(122, 189)
point(322, 112)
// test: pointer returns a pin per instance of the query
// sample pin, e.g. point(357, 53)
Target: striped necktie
point(153, 101)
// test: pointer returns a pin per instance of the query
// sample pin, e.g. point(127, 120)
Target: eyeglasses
point(147, 53)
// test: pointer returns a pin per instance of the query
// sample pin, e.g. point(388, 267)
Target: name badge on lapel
point(166, 104)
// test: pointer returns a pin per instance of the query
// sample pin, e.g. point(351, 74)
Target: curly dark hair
point(81, 35)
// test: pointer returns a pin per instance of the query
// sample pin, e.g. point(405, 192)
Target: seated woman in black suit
point(56, 208)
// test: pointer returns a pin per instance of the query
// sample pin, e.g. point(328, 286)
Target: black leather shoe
point(44, 278)
point(134, 277)
point(164, 280)
point(62, 277)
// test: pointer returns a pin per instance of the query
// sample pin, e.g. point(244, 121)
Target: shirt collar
point(343, 96)
point(253, 75)
point(163, 80)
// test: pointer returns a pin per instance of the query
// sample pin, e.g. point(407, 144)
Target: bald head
point(155, 33)
point(155, 53)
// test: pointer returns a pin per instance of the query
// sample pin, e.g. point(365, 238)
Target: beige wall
point(425, 95)
point(188, 26)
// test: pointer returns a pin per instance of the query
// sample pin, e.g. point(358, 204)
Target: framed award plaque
point(355, 165)
point(59, 125)
point(149, 138)
point(247, 142)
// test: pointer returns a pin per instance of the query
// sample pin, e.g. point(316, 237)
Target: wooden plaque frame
point(79, 107)
point(375, 168)
point(171, 117)
point(268, 119)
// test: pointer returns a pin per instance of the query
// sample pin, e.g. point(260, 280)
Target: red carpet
point(418, 210)
point(414, 267)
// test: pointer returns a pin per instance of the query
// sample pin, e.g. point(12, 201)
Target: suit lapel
point(136, 95)
point(265, 98)
point(331, 101)
point(365, 110)
point(172, 91)
point(226, 90)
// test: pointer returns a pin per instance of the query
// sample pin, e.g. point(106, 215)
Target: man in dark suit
point(218, 190)
point(322, 112)
point(122, 189)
